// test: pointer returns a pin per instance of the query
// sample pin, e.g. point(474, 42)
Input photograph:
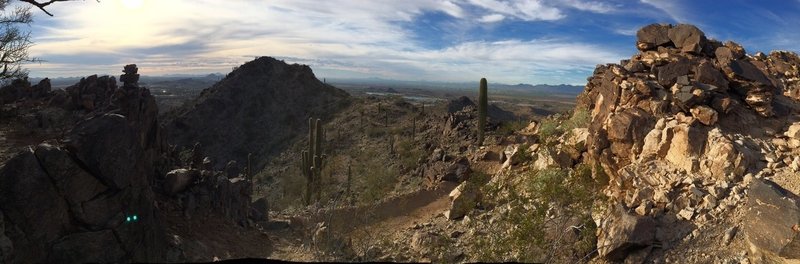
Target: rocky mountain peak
point(254, 109)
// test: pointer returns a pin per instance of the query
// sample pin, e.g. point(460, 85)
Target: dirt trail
point(364, 224)
point(404, 209)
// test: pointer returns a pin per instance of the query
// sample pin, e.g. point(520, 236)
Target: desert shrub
point(549, 129)
point(580, 118)
point(523, 155)
point(509, 127)
point(375, 131)
point(372, 179)
point(549, 220)
point(409, 152)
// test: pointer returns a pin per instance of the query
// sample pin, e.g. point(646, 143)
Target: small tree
point(14, 40)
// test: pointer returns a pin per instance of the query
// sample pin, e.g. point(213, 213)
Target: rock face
point(686, 85)
point(256, 109)
point(680, 129)
point(67, 204)
point(771, 224)
point(22, 89)
point(90, 93)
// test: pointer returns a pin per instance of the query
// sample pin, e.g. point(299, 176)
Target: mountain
point(255, 109)
point(558, 89)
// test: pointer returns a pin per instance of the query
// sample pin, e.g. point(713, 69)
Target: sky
point(507, 41)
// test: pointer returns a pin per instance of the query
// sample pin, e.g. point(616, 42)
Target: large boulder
point(459, 171)
point(30, 200)
point(771, 224)
point(688, 38)
point(621, 234)
point(652, 36)
point(110, 148)
point(463, 199)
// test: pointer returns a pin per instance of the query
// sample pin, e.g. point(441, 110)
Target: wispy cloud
point(671, 8)
point(492, 18)
point(355, 38)
point(590, 6)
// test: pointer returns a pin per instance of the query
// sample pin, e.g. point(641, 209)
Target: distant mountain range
point(564, 89)
point(171, 78)
point(187, 79)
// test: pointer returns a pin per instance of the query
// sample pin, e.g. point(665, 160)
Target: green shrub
point(544, 205)
point(409, 153)
point(549, 130)
point(509, 127)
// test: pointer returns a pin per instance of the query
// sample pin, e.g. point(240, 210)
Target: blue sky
point(509, 41)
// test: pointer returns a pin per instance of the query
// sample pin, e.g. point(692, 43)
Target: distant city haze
point(517, 41)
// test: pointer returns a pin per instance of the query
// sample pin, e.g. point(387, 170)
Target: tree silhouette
point(14, 41)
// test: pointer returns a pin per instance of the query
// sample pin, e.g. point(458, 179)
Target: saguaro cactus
point(483, 103)
point(249, 166)
point(312, 159)
point(414, 127)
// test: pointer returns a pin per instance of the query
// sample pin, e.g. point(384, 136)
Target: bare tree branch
point(42, 5)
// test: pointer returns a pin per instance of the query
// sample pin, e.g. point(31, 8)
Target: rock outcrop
point(70, 203)
point(681, 128)
point(255, 109)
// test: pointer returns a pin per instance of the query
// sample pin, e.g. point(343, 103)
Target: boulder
point(793, 132)
point(686, 145)
point(669, 73)
point(772, 218)
point(110, 149)
point(463, 199)
point(721, 157)
point(747, 71)
point(458, 171)
point(30, 200)
point(178, 180)
point(688, 38)
point(705, 115)
point(706, 73)
point(548, 158)
point(77, 185)
point(652, 36)
point(621, 234)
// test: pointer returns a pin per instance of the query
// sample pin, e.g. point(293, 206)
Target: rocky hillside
point(700, 141)
point(110, 190)
point(68, 202)
point(257, 108)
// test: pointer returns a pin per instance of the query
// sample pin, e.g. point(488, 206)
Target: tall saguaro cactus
point(483, 103)
point(312, 160)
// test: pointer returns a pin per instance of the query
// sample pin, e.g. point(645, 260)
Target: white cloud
point(670, 7)
point(359, 38)
point(527, 10)
point(626, 31)
point(590, 6)
point(492, 18)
